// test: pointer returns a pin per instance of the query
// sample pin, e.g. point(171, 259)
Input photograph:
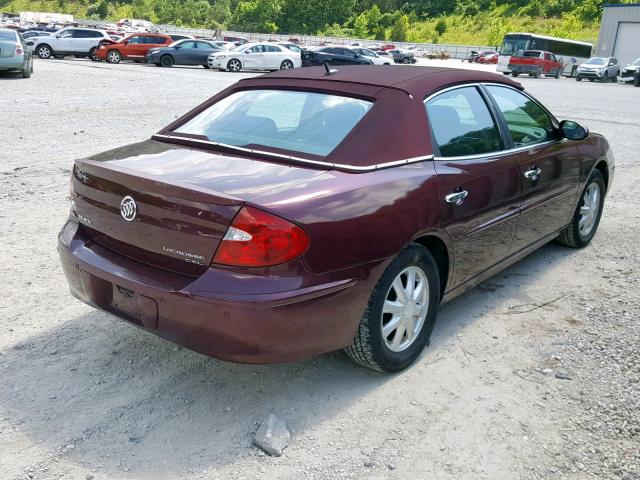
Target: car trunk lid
point(7, 48)
point(185, 199)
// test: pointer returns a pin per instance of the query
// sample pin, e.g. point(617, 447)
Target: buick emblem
point(128, 208)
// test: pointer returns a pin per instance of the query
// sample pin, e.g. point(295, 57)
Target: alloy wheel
point(114, 56)
point(286, 65)
point(589, 209)
point(234, 65)
point(405, 309)
point(44, 52)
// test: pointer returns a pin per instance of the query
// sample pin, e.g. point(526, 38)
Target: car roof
point(412, 79)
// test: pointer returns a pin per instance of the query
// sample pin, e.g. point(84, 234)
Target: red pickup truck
point(535, 63)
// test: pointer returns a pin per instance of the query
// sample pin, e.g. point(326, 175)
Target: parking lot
point(535, 374)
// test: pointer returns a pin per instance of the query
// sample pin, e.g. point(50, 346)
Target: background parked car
point(35, 33)
point(177, 36)
point(403, 56)
point(488, 57)
point(373, 56)
point(628, 71)
point(79, 42)
point(333, 55)
point(133, 47)
point(237, 40)
point(255, 56)
point(183, 52)
point(14, 54)
point(599, 68)
point(535, 63)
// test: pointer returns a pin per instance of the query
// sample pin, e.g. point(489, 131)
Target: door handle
point(533, 174)
point(457, 198)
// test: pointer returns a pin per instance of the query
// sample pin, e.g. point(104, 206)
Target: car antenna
point(329, 71)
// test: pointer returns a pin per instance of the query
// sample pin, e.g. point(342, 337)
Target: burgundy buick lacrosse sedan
point(303, 212)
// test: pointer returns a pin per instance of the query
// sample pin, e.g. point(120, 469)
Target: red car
point(133, 47)
point(535, 63)
point(254, 233)
point(388, 46)
point(488, 58)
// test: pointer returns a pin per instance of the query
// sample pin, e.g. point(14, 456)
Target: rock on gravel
point(273, 436)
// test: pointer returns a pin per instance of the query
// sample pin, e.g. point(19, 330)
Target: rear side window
point(312, 123)
point(526, 121)
point(272, 49)
point(461, 123)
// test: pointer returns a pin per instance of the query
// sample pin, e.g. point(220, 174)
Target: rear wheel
point(406, 61)
point(515, 74)
point(286, 65)
point(166, 61)
point(578, 78)
point(586, 218)
point(114, 56)
point(92, 54)
point(234, 65)
point(399, 318)
point(44, 51)
point(27, 70)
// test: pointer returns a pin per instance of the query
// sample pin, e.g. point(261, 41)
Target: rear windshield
point(306, 122)
point(7, 35)
point(531, 53)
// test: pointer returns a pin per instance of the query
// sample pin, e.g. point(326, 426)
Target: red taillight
point(260, 239)
point(18, 49)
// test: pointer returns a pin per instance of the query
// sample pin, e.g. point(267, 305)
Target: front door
point(549, 168)
point(254, 58)
point(135, 47)
point(478, 184)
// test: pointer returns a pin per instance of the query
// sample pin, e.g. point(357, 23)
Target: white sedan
point(255, 56)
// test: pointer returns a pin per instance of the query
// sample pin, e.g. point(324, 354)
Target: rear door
point(187, 54)
point(273, 57)
point(478, 184)
point(203, 49)
point(549, 167)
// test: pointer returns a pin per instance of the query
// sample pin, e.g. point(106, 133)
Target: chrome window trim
point(315, 163)
point(497, 153)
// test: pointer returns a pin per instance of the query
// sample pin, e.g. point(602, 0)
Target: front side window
point(312, 123)
point(66, 34)
point(135, 40)
point(461, 123)
point(188, 45)
point(526, 121)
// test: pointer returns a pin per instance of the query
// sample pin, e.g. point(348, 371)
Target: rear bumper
point(203, 314)
point(524, 69)
point(14, 63)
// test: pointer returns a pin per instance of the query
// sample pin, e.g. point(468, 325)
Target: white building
point(620, 32)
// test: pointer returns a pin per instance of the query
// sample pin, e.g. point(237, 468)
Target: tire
point(286, 65)
point(26, 72)
point(234, 65)
point(114, 56)
point(505, 73)
point(92, 54)
point(514, 74)
point(44, 51)
point(406, 61)
point(557, 75)
point(370, 347)
point(572, 236)
point(578, 78)
point(206, 66)
point(636, 79)
point(166, 61)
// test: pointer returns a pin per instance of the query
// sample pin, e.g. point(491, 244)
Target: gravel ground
point(534, 374)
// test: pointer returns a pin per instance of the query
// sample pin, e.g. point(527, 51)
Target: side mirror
point(178, 47)
point(573, 130)
point(58, 36)
point(247, 51)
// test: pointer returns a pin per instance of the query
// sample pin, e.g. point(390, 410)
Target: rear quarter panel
point(356, 218)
